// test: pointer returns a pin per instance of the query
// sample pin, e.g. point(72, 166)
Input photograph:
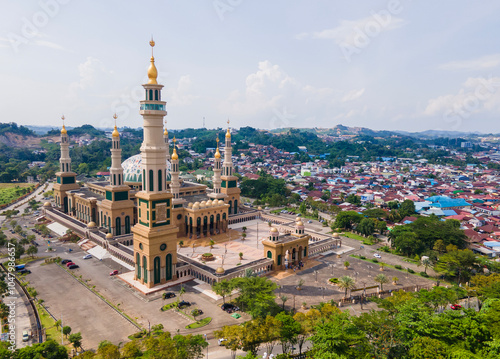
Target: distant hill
point(80, 131)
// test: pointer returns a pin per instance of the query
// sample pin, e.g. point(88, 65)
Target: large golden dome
point(152, 71)
point(63, 130)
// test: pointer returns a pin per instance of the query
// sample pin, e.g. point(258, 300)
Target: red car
point(455, 306)
point(115, 272)
point(69, 263)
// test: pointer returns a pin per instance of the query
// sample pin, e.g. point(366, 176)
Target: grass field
point(12, 191)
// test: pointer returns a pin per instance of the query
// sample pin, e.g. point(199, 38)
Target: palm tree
point(426, 262)
point(346, 283)
point(284, 298)
point(381, 278)
point(182, 291)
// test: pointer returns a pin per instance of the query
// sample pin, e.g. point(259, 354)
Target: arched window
point(157, 270)
point(156, 95)
point(138, 265)
point(150, 95)
point(145, 269)
point(169, 267)
point(159, 181)
point(127, 224)
point(269, 254)
point(151, 181)
point(118, 224)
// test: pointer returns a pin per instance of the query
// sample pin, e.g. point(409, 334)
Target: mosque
point(147, 207)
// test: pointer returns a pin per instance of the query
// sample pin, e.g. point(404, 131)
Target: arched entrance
point(127, 224)
point(169, 267)
point(118, 226)
point(157, 270)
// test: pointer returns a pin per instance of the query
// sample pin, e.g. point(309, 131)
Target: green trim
point(121, 196)
point(109, 195)
point(68, 180)
point(177, 205)
point(161, 224)
point(144, 223)
point(144, 201)
point(223, 184)
point(231, 184)
point(59, 179)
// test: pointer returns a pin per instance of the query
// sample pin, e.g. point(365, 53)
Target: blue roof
point(445, 202)
point(492, 244)
point(449, 212)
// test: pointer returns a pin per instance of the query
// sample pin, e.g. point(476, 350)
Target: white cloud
point(482, 63)
point(348, 31)
point(180, 95)
point(476, 95)
point(90, 72)
point(48, 44)
point(277, 99)
point(352, 95)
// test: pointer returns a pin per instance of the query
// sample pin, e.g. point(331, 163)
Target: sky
point(386, 65)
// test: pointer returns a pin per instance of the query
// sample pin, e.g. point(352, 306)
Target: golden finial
point(175, 157)
point(165, 133)
point(115, 131)
point(152, 72)
point(217, 153)
point(63, 131)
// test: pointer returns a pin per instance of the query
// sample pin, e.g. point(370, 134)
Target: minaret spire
point(217, 171)
point(174, 184)
point(116, 170)
point(65, 160)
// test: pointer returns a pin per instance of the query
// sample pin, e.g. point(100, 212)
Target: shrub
point(375, 260)
point(334, 280)
point(362, 257)
point(397, 266)
point(423, 274)
point(385, 249)
point(410, 270)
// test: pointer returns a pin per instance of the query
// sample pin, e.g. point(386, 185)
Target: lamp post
point(207, 344)
point(316, 274)
point(257, 233)
point(332, 266)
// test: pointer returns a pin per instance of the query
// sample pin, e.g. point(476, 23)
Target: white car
point(87, 256)
point(376, 255)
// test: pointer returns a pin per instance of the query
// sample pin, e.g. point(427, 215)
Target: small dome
point(220, 270)
point(217, 153)
point(47, 204)
point(196, 205)
point(300, 224)
point(63, 130)
point(175, 157)
point(209, 203)
point(259, 208)
point(336, 235)
point(109, 236)
point(115, 133)
point(228, 133)
point(165, 133)
point(221, 202)
point(274, 229)
point(91, 225)
point(190, 205)
point(298, 219)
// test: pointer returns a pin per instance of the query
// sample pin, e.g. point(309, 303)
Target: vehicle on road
point(183, 304)
point(87, 256)
point(19, 267)
point(73, 266)
point(65, 261)
point(221, 341)
point(24, 271)
point(69, 263)
point(376, 255)
point(26, 336)
point(115, 272)
point(455, 306)
point(168, 295)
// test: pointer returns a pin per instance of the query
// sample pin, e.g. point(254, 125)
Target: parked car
point(115, 272)
point(221, 341)
point(87, 256)
point(69, 263)
point(168, 295)
point(65, 261)
point(73, 266)
point(183, 304)
point(309, 221)
point(24, 271)
point(228, 307)
point(26, 336)
point(376, 255)
point(455, 306)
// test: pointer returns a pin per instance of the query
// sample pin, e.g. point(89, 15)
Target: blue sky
point(393, 65)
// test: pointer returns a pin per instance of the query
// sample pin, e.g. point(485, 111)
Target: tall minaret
point(174, 184)
point(155, 235)
point(65, 179)
point(116, 170)
point(216, 179)
point(116, 211)
point(229, 185)
point(227, 168)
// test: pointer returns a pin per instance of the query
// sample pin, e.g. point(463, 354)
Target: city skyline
point(393, 65)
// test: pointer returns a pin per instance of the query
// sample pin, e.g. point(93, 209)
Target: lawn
point(12, 191)
point(351, 235)
point(200, 323)
point(49, 325)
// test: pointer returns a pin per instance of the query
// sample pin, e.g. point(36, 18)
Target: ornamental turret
point(174, 184)
point(64, 160)
point(116, 170)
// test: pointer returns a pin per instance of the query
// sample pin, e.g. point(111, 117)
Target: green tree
point(458, 264)
point(256, 295)
point(407, 208)
point(131, 350)
point(66, 330)
point(32, 250)
point(223, 288)
point(366, 227)
point(289, 329)
point(107, 350)
point(75, 339)
point(346, 220)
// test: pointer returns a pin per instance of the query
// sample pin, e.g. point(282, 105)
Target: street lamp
point(316, 274)
point(207, 344)
point(332, 266)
